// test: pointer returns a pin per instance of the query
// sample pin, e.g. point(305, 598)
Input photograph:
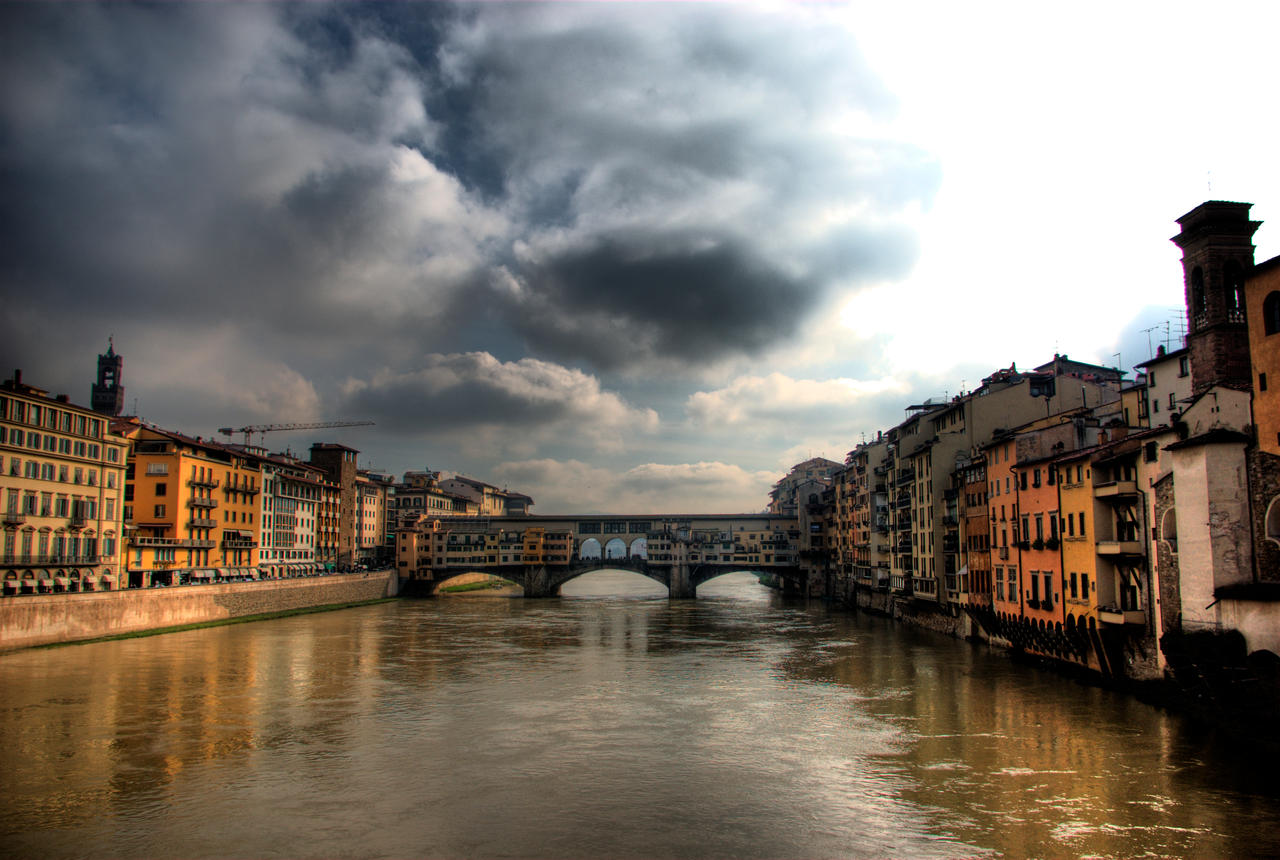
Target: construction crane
point(268, 428)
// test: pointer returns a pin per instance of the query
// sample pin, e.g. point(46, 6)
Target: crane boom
point(308, 425)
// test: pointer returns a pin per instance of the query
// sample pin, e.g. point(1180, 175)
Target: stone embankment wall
point(44, 619)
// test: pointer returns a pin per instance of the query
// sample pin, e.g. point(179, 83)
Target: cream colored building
point(62, 477)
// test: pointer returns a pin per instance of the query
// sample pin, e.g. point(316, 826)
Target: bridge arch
point(463, 577)
point(584, 566)
point(615, 549)
point(639, 548)
point(704, 573)
point(590, 548)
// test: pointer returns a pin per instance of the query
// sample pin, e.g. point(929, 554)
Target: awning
point(62, 580)
point(109, 577)
point(224, 572)
point(201, 574)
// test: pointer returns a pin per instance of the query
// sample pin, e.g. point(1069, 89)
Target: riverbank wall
point(1211, 677)
point(47, 619)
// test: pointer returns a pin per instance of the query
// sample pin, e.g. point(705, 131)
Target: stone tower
point(107, 395)
point(1217, 252)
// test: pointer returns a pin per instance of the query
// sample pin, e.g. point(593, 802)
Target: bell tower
point(1217, 252)
point(107, 395)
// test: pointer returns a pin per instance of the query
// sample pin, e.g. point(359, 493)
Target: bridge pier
point(680, 584)
point(537, 581)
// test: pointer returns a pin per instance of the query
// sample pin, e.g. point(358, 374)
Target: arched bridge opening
point(581, 567)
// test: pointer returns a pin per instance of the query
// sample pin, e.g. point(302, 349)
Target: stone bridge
point(681, 581)
point(543, 553)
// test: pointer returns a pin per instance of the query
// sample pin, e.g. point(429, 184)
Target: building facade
point(62, 481)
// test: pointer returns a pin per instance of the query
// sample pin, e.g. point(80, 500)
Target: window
point(1198, 304)
point(1151, 379)
point(1262, 382)
point(162, 488)
point(1184, 366)
point(159, 510)
point(1171, 402)
point(1084, 586)
point(1271, 313)
point(157, 468)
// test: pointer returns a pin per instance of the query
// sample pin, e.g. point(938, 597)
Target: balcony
point(201, 523)
point(211, 483)
point(78, 521)
point(1111, 615)
point(142, 541)
point(1115, 489)
point(13, 518)
point(905, 476)
point(201, 502)
point(1120, 547)
point(1002, 553)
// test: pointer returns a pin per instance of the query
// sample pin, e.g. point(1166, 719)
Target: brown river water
point(609, 722)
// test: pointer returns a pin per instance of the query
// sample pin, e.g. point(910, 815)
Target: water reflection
point(736, 724)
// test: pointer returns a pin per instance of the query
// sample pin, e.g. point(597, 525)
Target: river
point(609, 722)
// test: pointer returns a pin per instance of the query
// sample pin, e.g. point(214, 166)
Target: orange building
point(191, 509)
point(1039, 544)
point(1262, 298)
point(1002, 504)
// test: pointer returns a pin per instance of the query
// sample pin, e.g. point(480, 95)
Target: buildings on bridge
point(434, 548)
point(1066, 512)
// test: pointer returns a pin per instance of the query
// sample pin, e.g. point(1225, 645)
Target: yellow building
point(1079, 554)
point(192, 508)
point(62, 476)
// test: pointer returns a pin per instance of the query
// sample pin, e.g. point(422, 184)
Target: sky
point(623, 257)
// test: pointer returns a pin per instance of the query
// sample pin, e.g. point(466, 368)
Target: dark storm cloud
point(689, 182)
point(464, 392)
point(336, 185)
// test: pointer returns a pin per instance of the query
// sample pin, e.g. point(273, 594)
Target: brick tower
point(1217, 252)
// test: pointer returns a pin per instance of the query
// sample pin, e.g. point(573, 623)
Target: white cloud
point(767, 404)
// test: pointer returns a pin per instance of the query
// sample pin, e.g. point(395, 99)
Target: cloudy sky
point(623, 257)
